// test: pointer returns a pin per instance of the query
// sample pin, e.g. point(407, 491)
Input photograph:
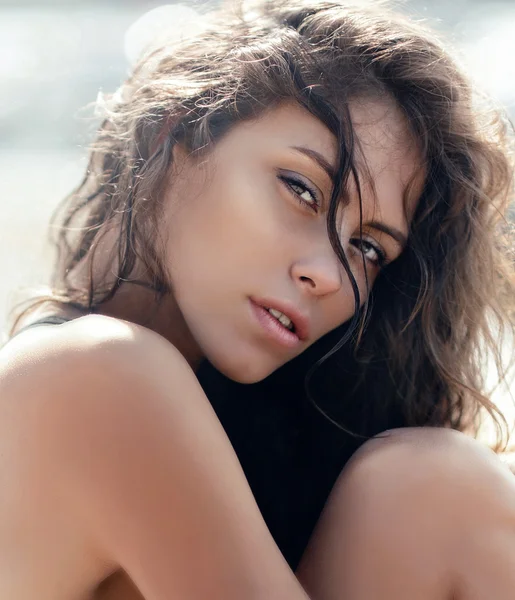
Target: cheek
point(341, 307)
point(244, 216)
point(224, 228)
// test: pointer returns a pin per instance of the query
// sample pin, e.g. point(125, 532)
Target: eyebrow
point(400, 237)
point(394, 233)
point(318, 158)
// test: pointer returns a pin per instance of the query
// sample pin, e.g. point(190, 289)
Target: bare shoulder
point(93, 377)
point(90, 386)
point(93, 397)
point(88, 341)
point(89, 356)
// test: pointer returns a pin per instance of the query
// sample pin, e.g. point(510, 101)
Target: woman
point(305, 190)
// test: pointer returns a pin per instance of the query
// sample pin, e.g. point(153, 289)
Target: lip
point(300, 321)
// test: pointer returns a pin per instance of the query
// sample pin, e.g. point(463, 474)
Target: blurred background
point(57, 55)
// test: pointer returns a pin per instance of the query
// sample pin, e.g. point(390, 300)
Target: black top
point(290, 453)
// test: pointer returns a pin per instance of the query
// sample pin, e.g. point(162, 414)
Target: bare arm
point(144, 462)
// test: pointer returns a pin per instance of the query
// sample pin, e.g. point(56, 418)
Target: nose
point(318, 275)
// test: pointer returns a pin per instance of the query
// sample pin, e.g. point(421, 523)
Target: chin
point(245, 371)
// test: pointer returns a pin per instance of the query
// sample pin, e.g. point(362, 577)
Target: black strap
point(50, 320)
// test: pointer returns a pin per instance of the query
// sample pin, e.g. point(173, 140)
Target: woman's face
point(245, 232)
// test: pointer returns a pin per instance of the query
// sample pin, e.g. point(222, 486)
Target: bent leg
point(417, 513)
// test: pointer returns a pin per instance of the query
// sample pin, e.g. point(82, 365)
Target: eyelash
point(381, 256)
point(292, 183)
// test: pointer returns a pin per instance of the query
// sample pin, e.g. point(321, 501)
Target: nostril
point(308, 280)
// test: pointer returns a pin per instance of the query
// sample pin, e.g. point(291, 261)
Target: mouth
point(281, 320)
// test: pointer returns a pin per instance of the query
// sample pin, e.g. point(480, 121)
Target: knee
point(414, 509)
point(424, 477)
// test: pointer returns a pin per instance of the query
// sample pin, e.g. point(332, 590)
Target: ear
point(182, 161)
point(180, 154)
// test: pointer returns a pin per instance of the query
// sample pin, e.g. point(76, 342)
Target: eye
point(373, 253)
point(302, 191)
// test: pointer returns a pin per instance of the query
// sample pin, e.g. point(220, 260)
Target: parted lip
point(298, 318)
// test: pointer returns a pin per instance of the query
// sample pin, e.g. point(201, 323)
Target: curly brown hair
point(419, 341)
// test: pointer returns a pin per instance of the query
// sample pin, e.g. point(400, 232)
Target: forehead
point(286, 125)
point(386, 153)
point(388, 157)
